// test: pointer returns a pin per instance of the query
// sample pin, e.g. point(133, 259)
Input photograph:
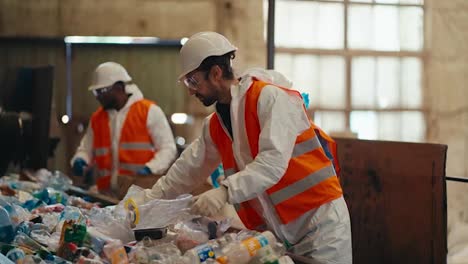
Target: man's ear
point(216, 73)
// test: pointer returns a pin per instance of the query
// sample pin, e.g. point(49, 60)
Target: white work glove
point(210, 202)
point(142, 196)
point(154, 193)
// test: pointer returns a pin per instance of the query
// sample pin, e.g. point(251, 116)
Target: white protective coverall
point(158, 128)
point(324, 233)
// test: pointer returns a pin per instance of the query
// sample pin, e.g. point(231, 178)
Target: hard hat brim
point(182, 75)
point(95, 87)
point(98, 86)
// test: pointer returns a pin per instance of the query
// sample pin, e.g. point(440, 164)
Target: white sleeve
point(85, 149)
point(282, 118)
point(196, 163)
point(163, 141)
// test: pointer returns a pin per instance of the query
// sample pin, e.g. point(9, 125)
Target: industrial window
point(360, 61)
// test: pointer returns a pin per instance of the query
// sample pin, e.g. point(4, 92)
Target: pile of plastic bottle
point(242, 247)
point(40, 223)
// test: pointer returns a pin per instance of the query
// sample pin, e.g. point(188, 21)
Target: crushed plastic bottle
point(33, 204)
point(42, 236)
point(50, 220)
point(200, 254)
point(11, 210)
point(16, 255)
point(83, 254)
point(24, 227)
point(60, 181)
point(265, 255)
point(72, 213)
point(243, 252)
point(24, 240)
point(96, 239)
point(5, 260)
point(7, 231)
point(115, 252)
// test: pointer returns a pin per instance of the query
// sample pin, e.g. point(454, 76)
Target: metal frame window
point(360, 61)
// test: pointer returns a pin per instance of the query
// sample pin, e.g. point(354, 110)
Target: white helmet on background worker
point(201, 46)
point(108, 73)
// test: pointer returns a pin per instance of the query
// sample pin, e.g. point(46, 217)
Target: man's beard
point(109, 105)
point(206, 101)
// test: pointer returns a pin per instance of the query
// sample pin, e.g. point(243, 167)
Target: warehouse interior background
point(374, 69)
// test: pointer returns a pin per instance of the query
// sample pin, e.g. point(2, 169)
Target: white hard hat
point(108, 73)
point(201, 46)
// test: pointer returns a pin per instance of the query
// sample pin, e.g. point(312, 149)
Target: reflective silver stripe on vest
point(306, 146)
point(101, 151)
point(137, 146)
point(102, 173)
point(302, 185)
point(131, 166)
point(229, 172)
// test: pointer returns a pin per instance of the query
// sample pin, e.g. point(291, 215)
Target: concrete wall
point(447, 99)
point(241, 20)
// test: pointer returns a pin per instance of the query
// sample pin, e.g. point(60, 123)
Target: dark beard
point(110, 105)
point(206, 101)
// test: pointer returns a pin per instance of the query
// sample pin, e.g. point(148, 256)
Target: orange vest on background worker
point(310, 179)
point(135, 144)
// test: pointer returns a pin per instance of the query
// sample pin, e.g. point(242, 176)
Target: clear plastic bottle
point(83, 254)
point(7, 232)
point(234, 253)
point(243, 252)
point(265, 255)
point(203, 252)
point(16, 255)
point(5, 260)
point(115, 252)
point(59, 181)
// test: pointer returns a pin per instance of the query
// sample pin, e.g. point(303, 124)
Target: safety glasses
point(103, 90)
point(191, 83)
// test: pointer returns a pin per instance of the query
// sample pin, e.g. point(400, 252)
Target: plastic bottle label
point(132, 207)
point(16, 255)
point(205, 253)
point(119, 256)
point(222, 260)
point(254, 243)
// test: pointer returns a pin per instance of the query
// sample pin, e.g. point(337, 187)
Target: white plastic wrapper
point(161, 213)
point(157, 213)
point(136, 193)
point(111, 225)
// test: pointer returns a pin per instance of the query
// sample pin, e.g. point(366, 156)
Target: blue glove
point(144, 171)
point(215, 175)
point(79, 166)
point(305, 97)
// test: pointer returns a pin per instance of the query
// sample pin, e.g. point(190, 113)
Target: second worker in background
point(127, 135)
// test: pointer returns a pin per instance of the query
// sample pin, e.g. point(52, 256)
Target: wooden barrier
point(396, 196)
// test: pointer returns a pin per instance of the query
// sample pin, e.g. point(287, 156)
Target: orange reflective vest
point(135, 145)
point(310, 179)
